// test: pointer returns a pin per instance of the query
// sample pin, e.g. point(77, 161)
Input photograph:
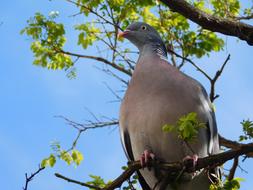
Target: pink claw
point(194, 158)
point(145, 158)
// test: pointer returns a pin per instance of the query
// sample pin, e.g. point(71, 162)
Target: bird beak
point(122, 34)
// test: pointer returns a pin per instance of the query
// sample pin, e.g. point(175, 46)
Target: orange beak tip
point(121, 34)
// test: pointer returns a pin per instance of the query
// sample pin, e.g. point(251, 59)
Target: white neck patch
point(160, 52)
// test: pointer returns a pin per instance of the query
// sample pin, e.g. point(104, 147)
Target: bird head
point(141, 35)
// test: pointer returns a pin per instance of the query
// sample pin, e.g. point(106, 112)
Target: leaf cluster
point(233, 184)
point(48, 39)
point(187, 127)
point(247, 126)
point(109, 16)
point(131, 181)
point(71, 156)
point(96, 181)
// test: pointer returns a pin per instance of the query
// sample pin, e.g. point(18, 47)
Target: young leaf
point(77, 157)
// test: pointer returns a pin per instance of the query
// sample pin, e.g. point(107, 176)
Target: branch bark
point(210, 22)
point(100, 59)
point(30, 178)
point(212, 95)
point(207, 162)
point(76, 182)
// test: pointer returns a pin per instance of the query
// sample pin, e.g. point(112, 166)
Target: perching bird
point(160, 94)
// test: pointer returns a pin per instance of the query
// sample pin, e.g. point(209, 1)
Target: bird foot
point(146, 157)
point(191, 159)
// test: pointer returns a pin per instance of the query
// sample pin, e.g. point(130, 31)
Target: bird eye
point(144, 27)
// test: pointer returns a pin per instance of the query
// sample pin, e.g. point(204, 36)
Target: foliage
point(109, 16)
point(233, 184)
point(186, 127)
point(89, 34)
point(106, 18)
point(247, 126)
point(228, 8)
point(97, 181)
point(130, 182)
point(48, 39)
point(71, 156)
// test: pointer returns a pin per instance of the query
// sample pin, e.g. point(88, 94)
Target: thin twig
point(76, 182)
point(213, 80)
point(86, 126)
point(114, 65)
point(212, 95)
point(90, 125)
point(243, 17)
point(192, 63)
point(30, 178)
point(113, 92)
point(233, 169)
point(94, 12)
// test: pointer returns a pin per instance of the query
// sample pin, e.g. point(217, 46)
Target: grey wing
point(213, 146)
point(126, 143)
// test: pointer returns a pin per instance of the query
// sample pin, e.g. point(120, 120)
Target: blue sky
point(32, 96)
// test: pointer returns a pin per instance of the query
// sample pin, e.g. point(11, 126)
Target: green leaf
point(97, 181)
point(48, 41)
point(247, 126)
point(77, 157)
point(65, 156)
point(50, 161)
point(186, 127)
point(124, 167)
point(168, 128)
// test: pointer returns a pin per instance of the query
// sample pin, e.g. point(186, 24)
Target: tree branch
point(94, 12)
point(100, 59)
point(232, 144)
point(76, 182)
point(174, 167)
point(83, 127)
point(244, 17)
point(30, 178)
point(191, 62)
point(211, 22)
point(233, 169)
point(212, 81)
point(212, 95)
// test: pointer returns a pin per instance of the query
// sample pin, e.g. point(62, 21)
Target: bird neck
point(154, 49)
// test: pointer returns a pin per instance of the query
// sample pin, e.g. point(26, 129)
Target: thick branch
point(207, 162)
point(232, 144)
point(233, 169)
point(210, 161)
point(210, 22)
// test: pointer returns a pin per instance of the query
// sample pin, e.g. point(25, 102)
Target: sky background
point(31, 96)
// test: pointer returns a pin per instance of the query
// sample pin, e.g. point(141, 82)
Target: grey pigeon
point(160, 94)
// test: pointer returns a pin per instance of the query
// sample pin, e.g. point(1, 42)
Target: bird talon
point(145, 158)
point(194, 159)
